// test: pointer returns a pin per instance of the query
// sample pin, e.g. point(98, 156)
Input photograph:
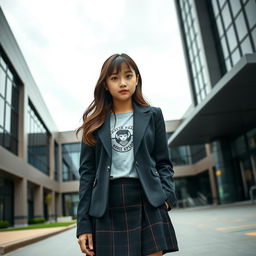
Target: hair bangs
point(115, 65)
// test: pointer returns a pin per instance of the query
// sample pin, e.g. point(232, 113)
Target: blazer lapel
point(141, 117)
point(104, 135)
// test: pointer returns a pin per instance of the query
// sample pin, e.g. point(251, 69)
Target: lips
point(123, 91)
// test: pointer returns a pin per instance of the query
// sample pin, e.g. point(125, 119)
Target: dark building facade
point(219, 41)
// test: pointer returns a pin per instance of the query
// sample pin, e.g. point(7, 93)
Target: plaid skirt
point(130, 225)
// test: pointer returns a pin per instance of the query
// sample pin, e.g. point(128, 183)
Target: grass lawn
point(41, 225)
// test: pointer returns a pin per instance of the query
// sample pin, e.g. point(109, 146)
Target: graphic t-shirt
point(122, 146)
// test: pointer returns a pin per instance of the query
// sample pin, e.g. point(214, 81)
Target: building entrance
point(248, 175)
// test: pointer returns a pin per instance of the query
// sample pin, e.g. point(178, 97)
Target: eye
point(129, 76)
point(113, 78)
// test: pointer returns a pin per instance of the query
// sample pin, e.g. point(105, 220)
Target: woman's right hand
point(84, 240)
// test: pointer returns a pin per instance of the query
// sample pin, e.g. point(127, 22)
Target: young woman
point(126, 175)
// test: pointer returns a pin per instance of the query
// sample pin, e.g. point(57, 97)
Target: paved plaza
point(206, 231)
point(222, 231)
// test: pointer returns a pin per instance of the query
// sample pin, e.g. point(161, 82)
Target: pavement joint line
point(233, 227)
point(8, 247)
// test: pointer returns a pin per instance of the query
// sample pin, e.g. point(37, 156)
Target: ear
point(137, 79)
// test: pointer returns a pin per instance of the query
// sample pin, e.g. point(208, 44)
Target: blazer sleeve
point(163, 162)
point(87, 174)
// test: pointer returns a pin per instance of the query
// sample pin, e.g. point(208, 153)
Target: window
point(70, 203)
point(179, 155)
point(197, 152)
point(250, 10)
point(235, 7)
point(9, 104)
point(70, 161)
point(194, 47)
point(56, 161)
point(241, 26)
point(38, 140)
point(236, 24)
point(246, 46)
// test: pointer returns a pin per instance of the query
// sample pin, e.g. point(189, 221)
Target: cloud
point(65, 43)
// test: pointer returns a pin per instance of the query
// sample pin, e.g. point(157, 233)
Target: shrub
point(36, 220)
point(4, 223)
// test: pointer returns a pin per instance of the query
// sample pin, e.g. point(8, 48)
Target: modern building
point(38, 164)
point(213, 146)
point(218, 134)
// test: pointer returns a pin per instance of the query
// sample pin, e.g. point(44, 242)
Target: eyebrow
point(128, 71)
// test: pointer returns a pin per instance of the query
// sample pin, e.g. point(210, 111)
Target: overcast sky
point(65, 43)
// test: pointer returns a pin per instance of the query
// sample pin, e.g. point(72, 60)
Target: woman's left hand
point(166, 205)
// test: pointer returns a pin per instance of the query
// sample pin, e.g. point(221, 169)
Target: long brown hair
point(102, 102)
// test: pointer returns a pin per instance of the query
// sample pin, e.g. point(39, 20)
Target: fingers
point(84, 240)
point(90, 242)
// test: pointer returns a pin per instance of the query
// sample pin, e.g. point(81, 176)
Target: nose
point(122, 81)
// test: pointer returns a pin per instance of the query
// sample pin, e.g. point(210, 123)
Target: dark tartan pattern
point(131, 226)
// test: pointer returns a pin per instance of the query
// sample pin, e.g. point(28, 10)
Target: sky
point(65, 43)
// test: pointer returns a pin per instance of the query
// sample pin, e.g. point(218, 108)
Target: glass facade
point(235, 161)
point(45, 203)
point(38, 140)
point(225, 166)
point(185, 155)
point(30, 198)
point(56, 161)
point(244, 154)
point(194, 190)
point(70, 203)
point(197, 152)
point(251, 138)
point(9, 104)
point(194, 48)
point(70, 161)
point(180, 155)
point(6, 199)
point(236, 26)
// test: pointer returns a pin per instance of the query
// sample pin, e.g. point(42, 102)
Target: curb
point(15, 245)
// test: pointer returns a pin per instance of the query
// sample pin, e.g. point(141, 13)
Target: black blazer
point(151, 157)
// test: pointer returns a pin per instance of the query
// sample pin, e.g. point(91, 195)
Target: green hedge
point(4, 223)
point(36, 220)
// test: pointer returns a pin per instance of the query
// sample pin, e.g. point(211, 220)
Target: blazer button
point(108, 168)
point(137, 163)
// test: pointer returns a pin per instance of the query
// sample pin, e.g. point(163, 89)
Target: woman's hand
point(166, 204)
point(84, 240)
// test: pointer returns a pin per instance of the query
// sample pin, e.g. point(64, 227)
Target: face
point(123, 137)
point(122, 85)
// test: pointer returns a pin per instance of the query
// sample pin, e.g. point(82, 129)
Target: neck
point(122, 106)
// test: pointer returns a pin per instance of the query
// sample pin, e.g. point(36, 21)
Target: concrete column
point(213, 187)
point(50, 198)
point(38, 201)
point(208, 149)
point(59, 205)
point(20, 202)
